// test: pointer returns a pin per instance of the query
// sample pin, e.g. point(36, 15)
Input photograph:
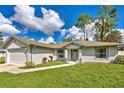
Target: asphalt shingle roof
point(61, 45)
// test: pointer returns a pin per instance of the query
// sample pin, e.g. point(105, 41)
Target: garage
point(16, 56)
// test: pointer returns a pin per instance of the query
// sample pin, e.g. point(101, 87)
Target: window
point(60, 53)
point(101, 53)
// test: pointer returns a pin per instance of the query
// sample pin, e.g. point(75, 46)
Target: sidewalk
point(17, 71)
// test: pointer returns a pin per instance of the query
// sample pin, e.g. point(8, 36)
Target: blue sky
point(66, 15)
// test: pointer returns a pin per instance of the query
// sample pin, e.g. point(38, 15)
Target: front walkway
point(17, 71)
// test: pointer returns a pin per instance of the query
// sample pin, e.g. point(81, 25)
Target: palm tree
point(113, 36)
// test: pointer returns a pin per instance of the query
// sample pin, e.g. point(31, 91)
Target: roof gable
point(73, 46)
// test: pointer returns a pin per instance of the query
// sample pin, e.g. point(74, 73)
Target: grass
point(87, 75)
point(53, 63)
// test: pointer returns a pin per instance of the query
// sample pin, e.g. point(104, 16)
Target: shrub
point(2, 60)
point(29, 64)
point(44, 60)
point(51, 58)
point(119, 59)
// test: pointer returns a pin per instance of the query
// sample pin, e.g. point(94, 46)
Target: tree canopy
point(82, 21)
point(104, 25)
point(113, 36)
point(105, 22)
point(68, 39)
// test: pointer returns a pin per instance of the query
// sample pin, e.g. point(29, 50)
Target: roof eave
point(102, 46)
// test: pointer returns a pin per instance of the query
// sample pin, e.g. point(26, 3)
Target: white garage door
point(16, 56)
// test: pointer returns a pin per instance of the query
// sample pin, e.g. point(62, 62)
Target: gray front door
point(74, 55)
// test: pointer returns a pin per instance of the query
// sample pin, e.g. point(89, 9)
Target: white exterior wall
point(15, 44)
point(20, 53)
point(120, 52)
point(88, 55)
point(66, 54)
point(113, 52)
point(55, 53)
point(39, 53)
point(15, 52)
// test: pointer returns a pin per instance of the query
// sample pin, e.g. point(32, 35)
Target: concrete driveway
point(14, 69)
point(7, 67)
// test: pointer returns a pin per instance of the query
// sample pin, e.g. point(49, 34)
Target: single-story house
point(19, 50)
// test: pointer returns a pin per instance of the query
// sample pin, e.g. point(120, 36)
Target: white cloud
point(5, 38)
point(122, 33)
point(42, 40)
point(73, 32)
point(76, 32)
point(50, 22)
point(90, 30)
point(32, 39)
point(48, 40)
point(121, 30)
point(8, 29)
point(63, 32)
point(6, 26)
point(4, 20)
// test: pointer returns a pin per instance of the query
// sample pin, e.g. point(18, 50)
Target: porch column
point(66, 54)
point(80, 55)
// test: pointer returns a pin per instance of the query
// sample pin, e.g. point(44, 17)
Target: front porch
point(71, 53)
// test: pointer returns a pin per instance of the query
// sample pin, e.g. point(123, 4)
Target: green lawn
point(80, 75)
point(53, 63)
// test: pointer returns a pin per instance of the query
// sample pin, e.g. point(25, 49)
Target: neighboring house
point(121, 49)
point(19, 50)
point(2, 53)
